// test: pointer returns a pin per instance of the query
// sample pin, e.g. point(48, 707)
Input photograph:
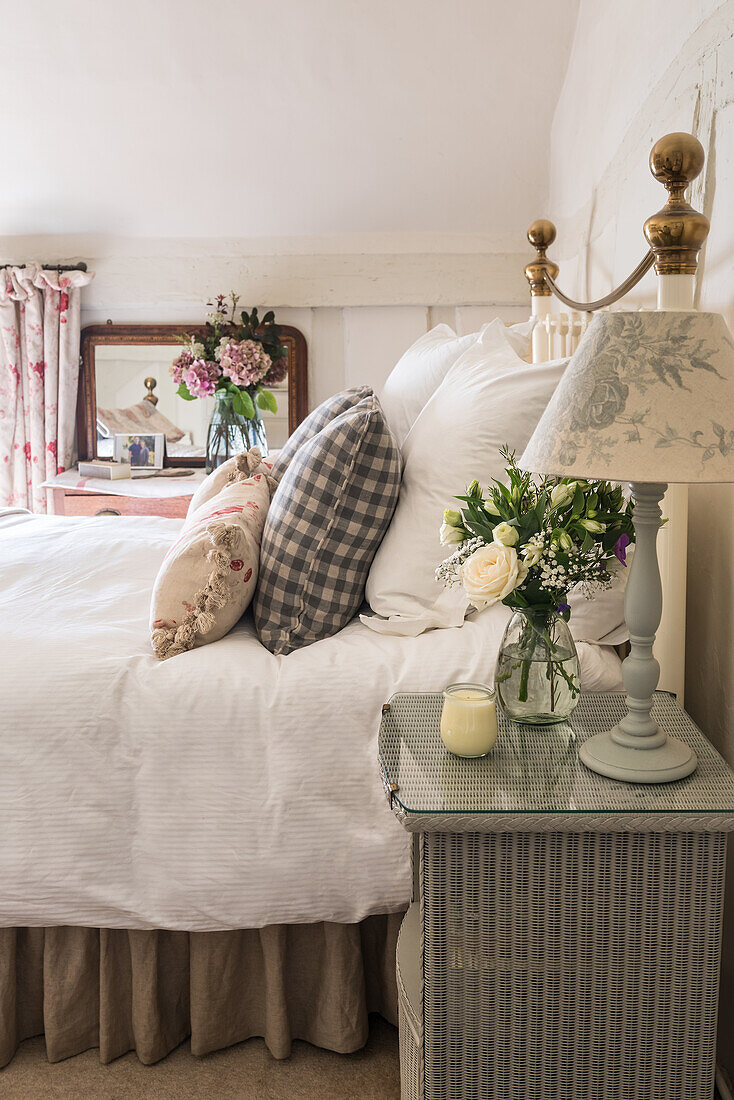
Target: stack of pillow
point(327, 521)
point(328, 496)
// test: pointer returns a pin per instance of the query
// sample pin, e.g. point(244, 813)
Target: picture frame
point(143, 450)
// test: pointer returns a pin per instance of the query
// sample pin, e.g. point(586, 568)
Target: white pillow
point(488, 397)
point(425, 365)
point(601, 619)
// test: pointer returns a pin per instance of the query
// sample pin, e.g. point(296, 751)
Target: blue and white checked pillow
point(325, 524)
point(313, 424)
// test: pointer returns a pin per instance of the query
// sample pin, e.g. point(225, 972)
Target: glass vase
point(230, 432)
point(537, 675)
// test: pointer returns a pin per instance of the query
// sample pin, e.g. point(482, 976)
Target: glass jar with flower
point(527, 544)
point(233, 361)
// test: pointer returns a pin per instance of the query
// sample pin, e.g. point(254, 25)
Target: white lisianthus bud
point(565, 540)
point(561, 494)
point(451, 535)
point(491, 507)
point(505, 535)
point(532, 554)
point(452, 517)
point(593, 526)
point(474, 490)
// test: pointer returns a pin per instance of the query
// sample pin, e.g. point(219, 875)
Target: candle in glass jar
point(468, 719)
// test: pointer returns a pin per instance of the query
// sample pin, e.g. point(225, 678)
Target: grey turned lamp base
point(605, 756)
point(562, 966)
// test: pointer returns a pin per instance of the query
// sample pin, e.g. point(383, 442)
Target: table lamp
point(647, 398)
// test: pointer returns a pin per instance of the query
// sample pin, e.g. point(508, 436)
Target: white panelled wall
point(351, 346)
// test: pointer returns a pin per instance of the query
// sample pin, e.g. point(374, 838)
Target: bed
point(123, 810)
point(221, 869)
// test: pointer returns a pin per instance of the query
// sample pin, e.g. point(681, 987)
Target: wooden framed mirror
point(124, 378)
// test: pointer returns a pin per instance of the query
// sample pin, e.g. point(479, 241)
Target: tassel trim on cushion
point(170, 641)
point(251, 462)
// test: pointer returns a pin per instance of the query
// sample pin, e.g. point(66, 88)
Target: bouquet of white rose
point(526, 544)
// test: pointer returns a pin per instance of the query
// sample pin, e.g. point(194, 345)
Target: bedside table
point(564, 937)
point(95, 496)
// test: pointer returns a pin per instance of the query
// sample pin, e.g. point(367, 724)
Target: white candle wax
point(468, 719)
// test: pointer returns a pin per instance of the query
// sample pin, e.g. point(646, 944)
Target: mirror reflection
point(135, 392)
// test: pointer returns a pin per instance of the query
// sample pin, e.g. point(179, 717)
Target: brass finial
point(541, 235)
point(150, 385)
point(677, 232)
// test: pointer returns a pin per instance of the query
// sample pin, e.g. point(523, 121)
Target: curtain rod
point(81, 266)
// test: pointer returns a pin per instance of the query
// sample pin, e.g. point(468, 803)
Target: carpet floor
point(244, 1072)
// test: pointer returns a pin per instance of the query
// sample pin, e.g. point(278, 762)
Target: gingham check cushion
point(313, 424)
point(326, 521)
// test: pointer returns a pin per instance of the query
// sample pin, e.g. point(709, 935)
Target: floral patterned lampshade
point(646, 397)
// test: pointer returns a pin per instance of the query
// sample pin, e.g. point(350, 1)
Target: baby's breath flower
point(448, 571)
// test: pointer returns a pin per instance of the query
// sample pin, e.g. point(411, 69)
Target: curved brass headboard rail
point(614, 295)
point(675, 234)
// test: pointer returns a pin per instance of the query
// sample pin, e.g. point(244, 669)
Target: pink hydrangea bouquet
point(239, 357)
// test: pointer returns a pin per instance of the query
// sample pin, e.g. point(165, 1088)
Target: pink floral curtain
point(39, 372)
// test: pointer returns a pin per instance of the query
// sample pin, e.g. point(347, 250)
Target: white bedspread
point(224, 788)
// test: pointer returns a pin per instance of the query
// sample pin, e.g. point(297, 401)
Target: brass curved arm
point(614, 295)
point(675, 234)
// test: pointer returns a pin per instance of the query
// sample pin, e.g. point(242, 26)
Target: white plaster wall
point(638, 71)
point(291, 118)
point(354, 166)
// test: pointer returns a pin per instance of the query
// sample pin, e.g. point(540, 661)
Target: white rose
point(491, 573)
point(450, 535)
point(505, 534)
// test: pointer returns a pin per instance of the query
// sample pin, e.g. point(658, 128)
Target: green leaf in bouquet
point(479, 527)
point(269, 318)
point(183, 391)
point(504, 491)
point(266, 400)
point(242, 404)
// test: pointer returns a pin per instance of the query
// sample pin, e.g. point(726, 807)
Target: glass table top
point(536, 768)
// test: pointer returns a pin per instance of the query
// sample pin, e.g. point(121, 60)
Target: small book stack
point(112, 471)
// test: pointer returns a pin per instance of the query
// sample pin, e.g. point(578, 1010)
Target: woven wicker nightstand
point(564, 937)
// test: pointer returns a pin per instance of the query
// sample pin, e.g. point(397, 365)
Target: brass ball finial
point(150, 385)
point(541, 235)
point(676, 159)
point(677, 232)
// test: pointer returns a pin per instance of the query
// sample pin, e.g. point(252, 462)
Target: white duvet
point(224, 788)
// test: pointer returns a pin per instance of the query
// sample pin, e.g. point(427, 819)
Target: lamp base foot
point(673, 760)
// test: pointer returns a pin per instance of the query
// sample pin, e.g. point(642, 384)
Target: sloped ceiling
point(286, 118)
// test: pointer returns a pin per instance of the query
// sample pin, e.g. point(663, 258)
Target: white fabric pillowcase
point(487, 398)
point(424, 366)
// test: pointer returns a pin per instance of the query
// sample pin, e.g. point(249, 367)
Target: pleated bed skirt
point(147, 991)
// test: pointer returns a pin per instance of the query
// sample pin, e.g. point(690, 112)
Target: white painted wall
point(291, 118)
point(638, 71)
point(354, 166)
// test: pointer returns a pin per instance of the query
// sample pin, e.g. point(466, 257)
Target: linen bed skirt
point(147, 991)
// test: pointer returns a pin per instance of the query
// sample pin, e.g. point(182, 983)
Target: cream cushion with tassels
point(218, 479)
point(208, 577)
